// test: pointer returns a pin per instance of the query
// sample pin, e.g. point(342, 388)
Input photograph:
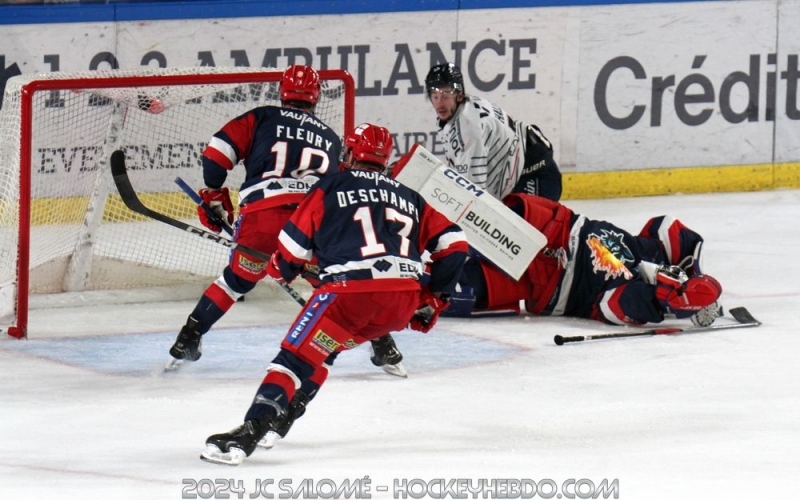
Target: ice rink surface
point(85, 412)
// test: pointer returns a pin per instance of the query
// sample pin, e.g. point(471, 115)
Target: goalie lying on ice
point(593, 269)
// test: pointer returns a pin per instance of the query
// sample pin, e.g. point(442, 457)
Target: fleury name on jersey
point(301, 134)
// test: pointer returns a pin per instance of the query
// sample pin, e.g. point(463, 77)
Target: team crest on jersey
point(609, 254)
point(325, 341)
point(249, 265)
point(350, 344)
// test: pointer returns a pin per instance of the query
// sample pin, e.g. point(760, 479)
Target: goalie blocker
point(494, 230)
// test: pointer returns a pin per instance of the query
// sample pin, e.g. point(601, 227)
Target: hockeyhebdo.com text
point(400, 489)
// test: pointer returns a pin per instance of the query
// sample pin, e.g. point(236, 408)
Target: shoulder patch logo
point(609, 254)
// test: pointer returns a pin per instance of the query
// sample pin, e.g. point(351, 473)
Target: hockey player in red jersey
point(285, 150)
point(593, 269)
point(368, 233)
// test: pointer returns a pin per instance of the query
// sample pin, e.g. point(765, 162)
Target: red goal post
point(62, 225)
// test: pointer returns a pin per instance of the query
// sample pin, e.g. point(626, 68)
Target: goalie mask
point(442, 75)
point(300, 83)
point(369, 143)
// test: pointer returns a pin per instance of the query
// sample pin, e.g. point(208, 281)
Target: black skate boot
point(231, 448)
point(280, 427)
point(385, 352)
point(386, 355)
point(187, 345)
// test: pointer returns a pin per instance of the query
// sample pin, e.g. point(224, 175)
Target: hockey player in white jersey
point(483, 142)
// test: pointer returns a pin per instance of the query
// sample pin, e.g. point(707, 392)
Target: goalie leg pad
point(682, 246)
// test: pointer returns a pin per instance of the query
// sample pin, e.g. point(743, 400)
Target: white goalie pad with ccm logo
point(492, 228)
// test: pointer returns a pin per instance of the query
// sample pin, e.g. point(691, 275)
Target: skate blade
point(269, 440)
point(215, 456)
point(397, 370)
point(173, 364)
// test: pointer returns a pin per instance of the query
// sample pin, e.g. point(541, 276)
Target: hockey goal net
point(62, 225)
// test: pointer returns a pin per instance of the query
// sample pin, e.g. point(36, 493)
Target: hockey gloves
point(220, 202)
point(684, 296)
point(274, 270)
point(430, 307)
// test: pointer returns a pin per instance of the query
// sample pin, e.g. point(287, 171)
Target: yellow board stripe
point(622, 184)
point(73, 210)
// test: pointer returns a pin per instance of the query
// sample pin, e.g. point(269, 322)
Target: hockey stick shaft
point(740, 314)
point(132, 201)
point(212, 215)
point(309, 272)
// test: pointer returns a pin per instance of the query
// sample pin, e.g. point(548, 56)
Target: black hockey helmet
point(445, 74)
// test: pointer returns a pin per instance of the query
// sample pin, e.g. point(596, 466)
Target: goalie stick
point(742, 316)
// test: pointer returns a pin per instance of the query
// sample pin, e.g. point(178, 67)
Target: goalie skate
point(707, 315)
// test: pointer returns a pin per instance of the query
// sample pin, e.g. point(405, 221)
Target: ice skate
point(231, 448)
point(188, 344)
point(384, 353)
point(280, 427)
point(707, 315)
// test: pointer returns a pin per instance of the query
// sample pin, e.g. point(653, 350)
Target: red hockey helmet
point(370, 143)
point(300, 83)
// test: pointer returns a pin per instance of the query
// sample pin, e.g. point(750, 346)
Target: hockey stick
point(132, 201)
point(397, 370)
point(742, 316)
point(212, 215)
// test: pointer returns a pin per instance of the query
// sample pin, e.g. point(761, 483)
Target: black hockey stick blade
point(742, 316)
point(132, 201)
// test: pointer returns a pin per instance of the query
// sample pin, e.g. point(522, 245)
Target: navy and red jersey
point(284, 151)
point(590, 268)
point(368, 233)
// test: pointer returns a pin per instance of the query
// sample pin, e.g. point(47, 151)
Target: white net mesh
point(81, 235)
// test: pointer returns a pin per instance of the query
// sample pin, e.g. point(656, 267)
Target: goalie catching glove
point(430, 307)
point(220, 202)
point(684, 296)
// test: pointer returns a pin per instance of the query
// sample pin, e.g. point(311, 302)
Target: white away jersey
point(484, 143)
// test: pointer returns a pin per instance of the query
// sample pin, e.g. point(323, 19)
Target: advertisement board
point(613, 87)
